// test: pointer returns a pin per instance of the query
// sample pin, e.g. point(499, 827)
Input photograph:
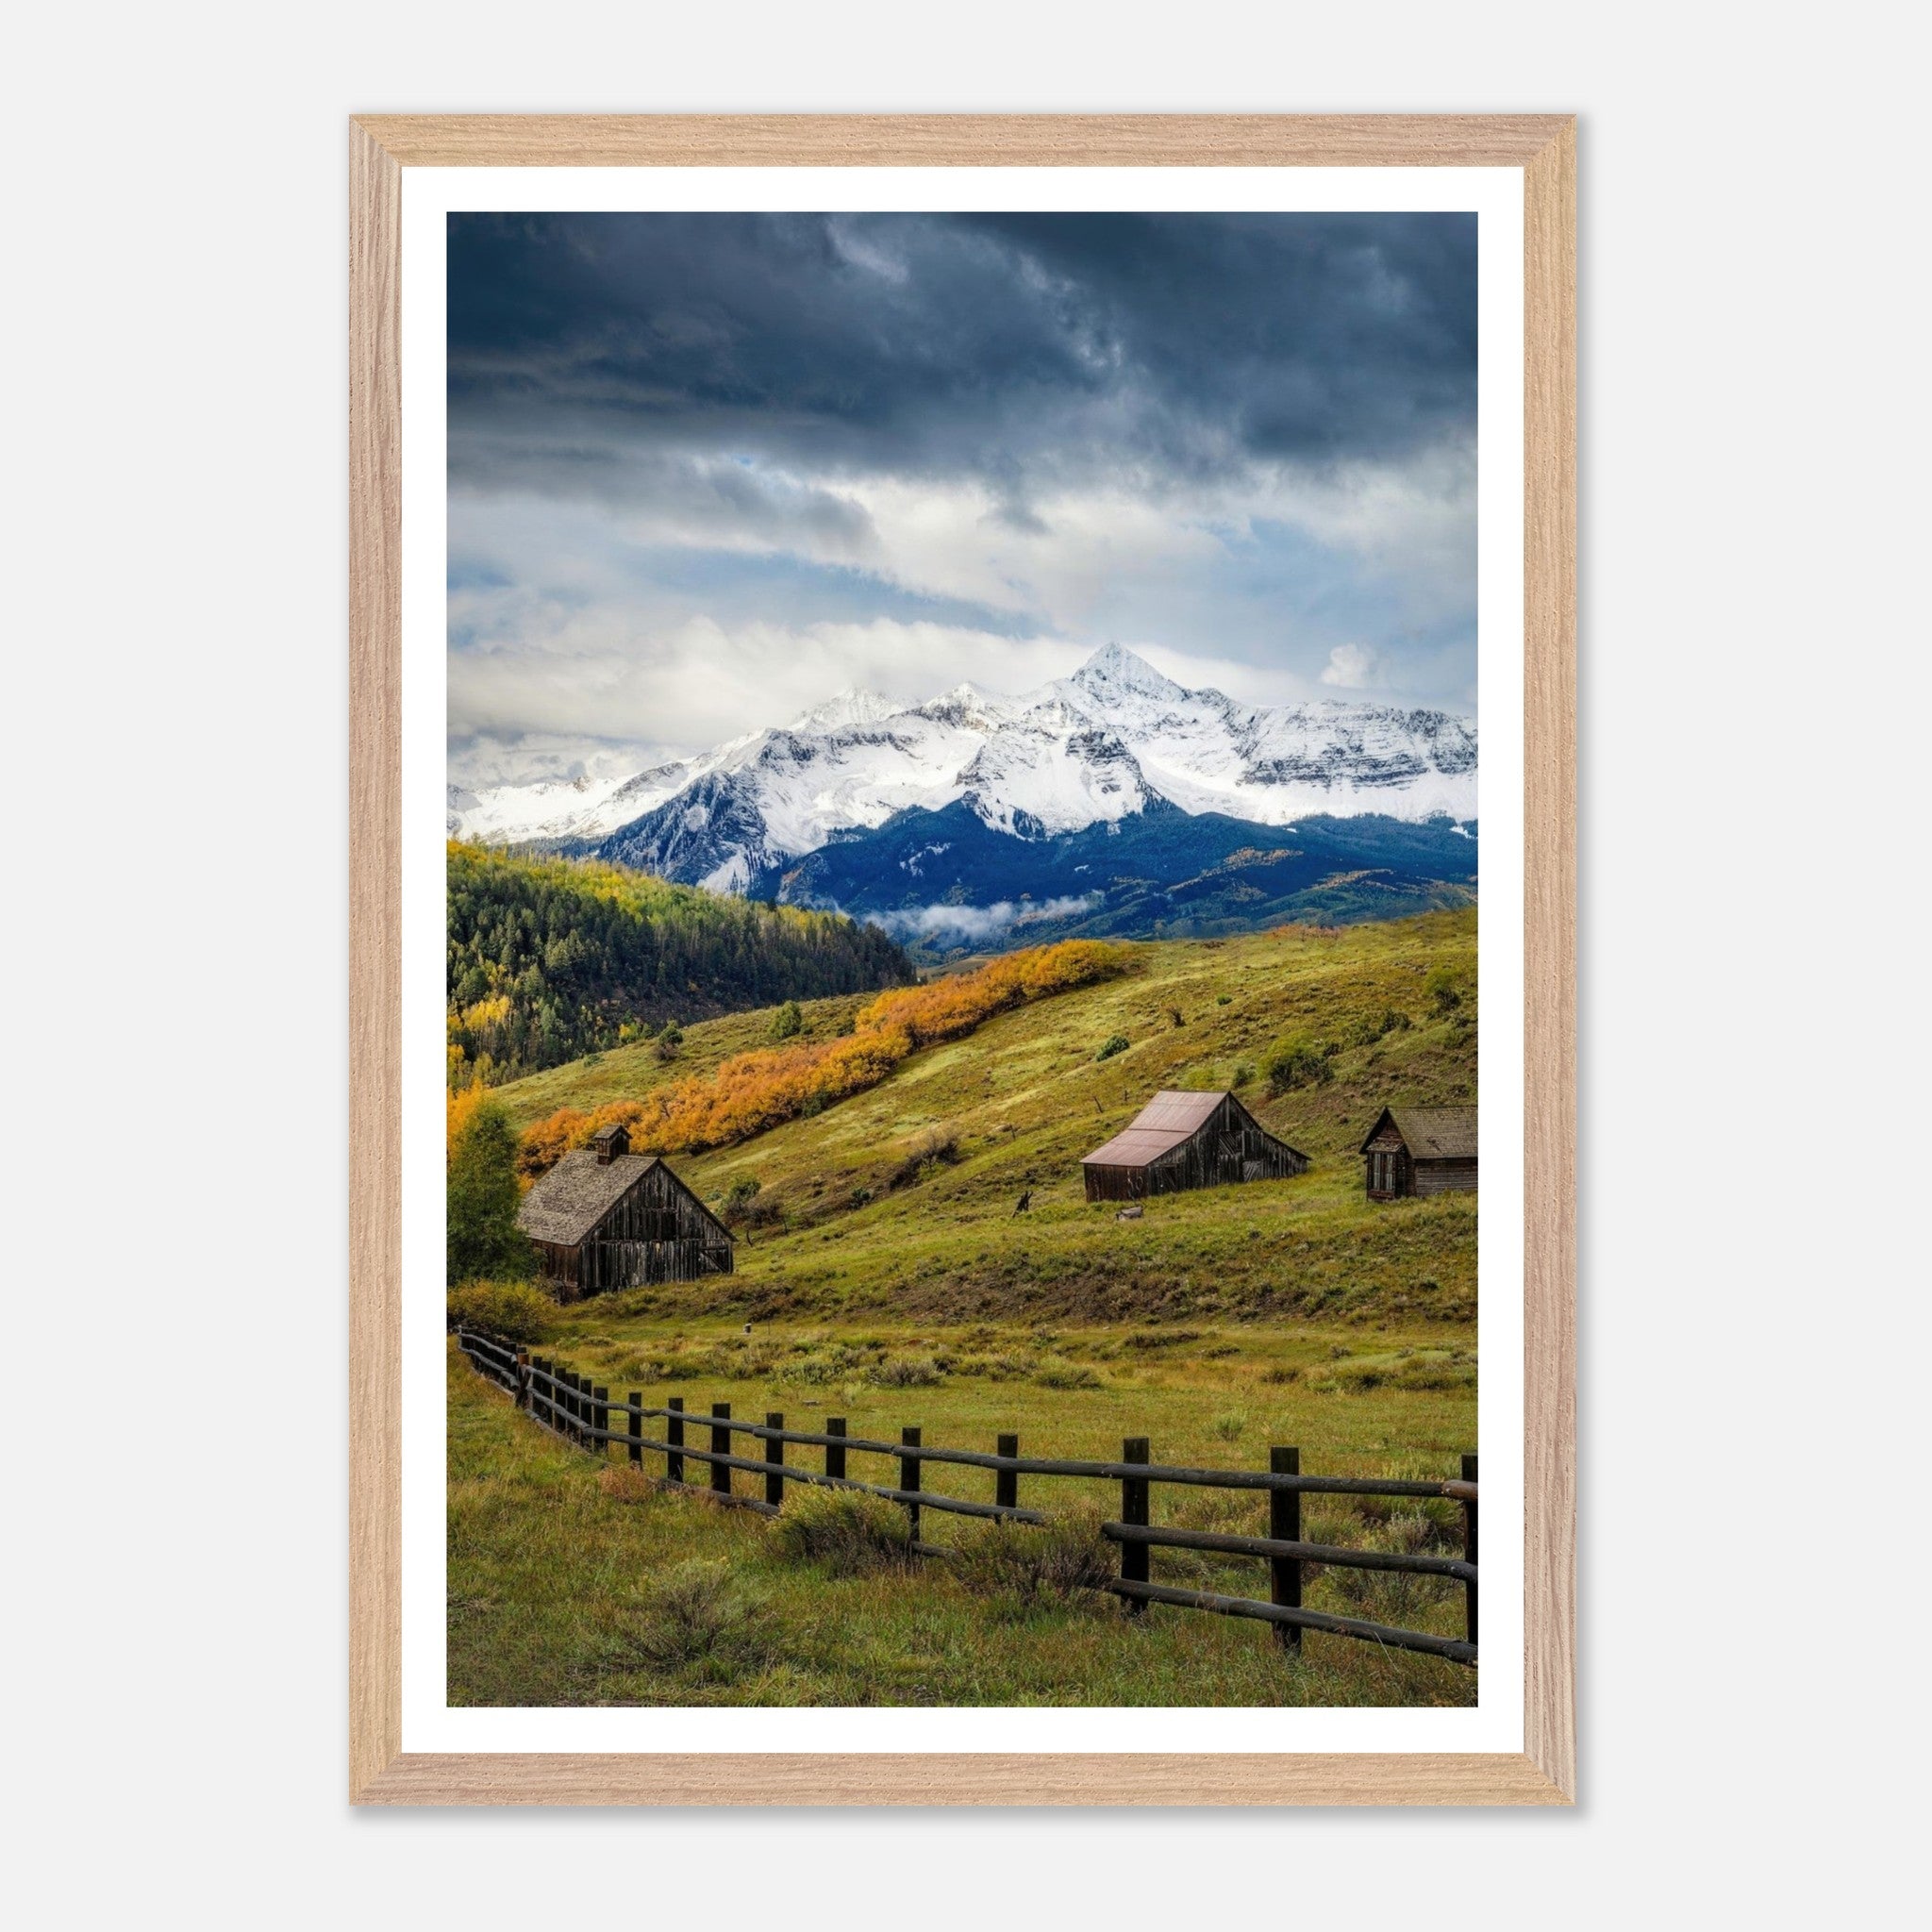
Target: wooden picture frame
point(1543, 1772)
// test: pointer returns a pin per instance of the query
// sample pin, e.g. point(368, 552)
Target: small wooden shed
point(1421, 1150)
point(603, 1218)
point(1187, 1140)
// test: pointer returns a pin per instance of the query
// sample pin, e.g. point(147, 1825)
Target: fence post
point(600, 1421)
point(721, 1445)
point(774, 1463)
point(580, 1406)
point(1006, 1482)
point(673, 1436)
point(635, 1403)
point(1285, 1526)
point(1468, 1551)
point(908, 1479)
point(1134, 1564)
point(523, 1379)
point(835, 1452)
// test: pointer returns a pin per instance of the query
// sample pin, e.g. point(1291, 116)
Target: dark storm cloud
point(596, 354)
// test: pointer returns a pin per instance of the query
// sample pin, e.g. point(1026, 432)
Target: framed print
point(921, 929)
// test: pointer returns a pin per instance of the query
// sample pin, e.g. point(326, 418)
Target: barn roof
point(1431, 1133)
point(577, 1194)
point(1164, 1124)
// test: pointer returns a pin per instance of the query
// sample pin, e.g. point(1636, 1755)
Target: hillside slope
point(904, 1197)
point(549, 958)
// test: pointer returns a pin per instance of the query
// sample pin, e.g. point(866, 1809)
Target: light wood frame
point(1544, 1771)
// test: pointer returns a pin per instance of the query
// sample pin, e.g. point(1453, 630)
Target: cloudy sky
point(706, 469)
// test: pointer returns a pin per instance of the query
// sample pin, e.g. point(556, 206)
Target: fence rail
point(583, 1412)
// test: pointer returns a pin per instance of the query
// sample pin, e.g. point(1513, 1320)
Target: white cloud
point(1354, 667)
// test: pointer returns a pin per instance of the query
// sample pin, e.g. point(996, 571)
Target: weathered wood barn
point(1421, 1150)
point(1187, 1140)
point(604, 1217)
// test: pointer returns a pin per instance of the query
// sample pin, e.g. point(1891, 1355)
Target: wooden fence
point(583, 1414)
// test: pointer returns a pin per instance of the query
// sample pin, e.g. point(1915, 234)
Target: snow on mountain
point(850, 707)
point(1114, 740)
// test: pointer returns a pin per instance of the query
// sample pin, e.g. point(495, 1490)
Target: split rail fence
point(583, 1413)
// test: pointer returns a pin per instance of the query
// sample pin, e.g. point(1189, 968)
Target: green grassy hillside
point(887, 1278)
point(904, 1197)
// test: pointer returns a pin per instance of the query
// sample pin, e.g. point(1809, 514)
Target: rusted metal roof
point(1431, 1133)
point(577, 1194)
point(1167, 1122)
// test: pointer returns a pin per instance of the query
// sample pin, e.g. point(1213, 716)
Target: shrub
point(1441, 987)
point(515, 1311)
point(1367, 1031)
point(1297, 1063)
point(788, 1021)
point(1244, 1073)
point(697, 1613)
point(1222, 999)
point(936, 1148)
point(1068, 1376)
point(849, 1533)
point(1231, 1426)
point(1036, 1564)
point(739, 1197)
point(668, 1042)
point(907, 1372)
point(1115, 1042)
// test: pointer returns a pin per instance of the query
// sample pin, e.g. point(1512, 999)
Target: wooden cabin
point(603, 1218)
point(1188, 1141)
point(1421, 1150)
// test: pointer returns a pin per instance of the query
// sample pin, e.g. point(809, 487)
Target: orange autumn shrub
point(754, 1092)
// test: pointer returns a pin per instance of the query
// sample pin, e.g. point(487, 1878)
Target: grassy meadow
point(888, 1275)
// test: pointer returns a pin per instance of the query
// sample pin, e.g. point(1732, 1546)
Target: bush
point(936, 1148)
point(669, 1041)
point(1068, 1376)
point(849, 1533)
point(698, 1614)
point(1441, 987)
point(1244, 1073)
point(1116, 1043)
point(908, 1371)
point(788, 1022)
point(1036, 1565)
point(739, 1197)
point(514, 1311)
point(1367, 1031)
point(1297, 1063)
point(1231, 1426)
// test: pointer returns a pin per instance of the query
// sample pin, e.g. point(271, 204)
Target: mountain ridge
point(1116, 739)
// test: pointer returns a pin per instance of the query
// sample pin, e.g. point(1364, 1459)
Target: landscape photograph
point(962, 1005)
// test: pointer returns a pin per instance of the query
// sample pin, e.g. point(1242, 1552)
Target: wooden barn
point(604, 1217)
point(1421, 1150)
point(1188, 1141)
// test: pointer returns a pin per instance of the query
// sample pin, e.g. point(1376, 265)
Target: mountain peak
point(853, 706)
point(1113, 668)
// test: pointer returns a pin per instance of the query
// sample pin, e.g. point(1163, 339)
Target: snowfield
point(1114, 740)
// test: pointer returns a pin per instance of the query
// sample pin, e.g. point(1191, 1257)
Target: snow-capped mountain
point(1113, 741)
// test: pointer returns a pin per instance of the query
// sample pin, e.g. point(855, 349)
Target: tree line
point(551, 958)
